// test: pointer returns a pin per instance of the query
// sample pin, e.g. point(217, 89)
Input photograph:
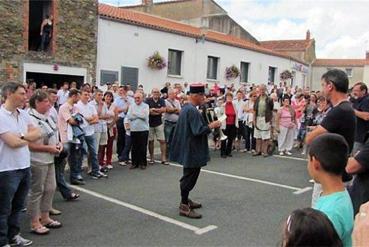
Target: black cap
point(197, 88)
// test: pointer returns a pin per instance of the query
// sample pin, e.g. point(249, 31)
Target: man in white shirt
point(63, 94)
point(16, 131)
point(89, 113)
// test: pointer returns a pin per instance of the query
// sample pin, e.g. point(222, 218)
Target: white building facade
point(124, 48)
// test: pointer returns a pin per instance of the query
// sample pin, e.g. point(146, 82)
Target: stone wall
point(74, 37)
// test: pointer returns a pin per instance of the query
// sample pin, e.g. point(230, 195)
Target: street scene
point(184, 123)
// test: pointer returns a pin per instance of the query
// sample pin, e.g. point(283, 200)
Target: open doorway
point(38, 10)
point(53, 80)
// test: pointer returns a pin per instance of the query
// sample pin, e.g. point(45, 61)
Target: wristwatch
point(22, 136)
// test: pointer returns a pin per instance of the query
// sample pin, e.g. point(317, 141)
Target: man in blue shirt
point(122, 105)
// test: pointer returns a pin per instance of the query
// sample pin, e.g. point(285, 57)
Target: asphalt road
point(245, 202)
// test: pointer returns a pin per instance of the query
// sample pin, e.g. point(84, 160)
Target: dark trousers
point(241, 132)
point(60, 162)
point(188, 182)
point(226, 145)
point(75, 159)
point(45, 40)
point(14, 187)
point(250, 140)
point(121, 131)
point(139, 147)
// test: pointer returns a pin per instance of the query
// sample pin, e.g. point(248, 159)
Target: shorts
point(157, 133)
point(262, 129)
point(101, 138)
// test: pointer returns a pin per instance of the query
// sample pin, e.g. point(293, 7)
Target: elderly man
point(171, 116)
point(138, 120)
point(16, 132)
point(157, 108)
point(263, 108)
point(190, 148)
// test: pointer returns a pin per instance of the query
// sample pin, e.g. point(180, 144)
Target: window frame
point(216, 69)
point(169, 72)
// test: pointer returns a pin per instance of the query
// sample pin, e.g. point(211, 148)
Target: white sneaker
point(109, 167)
point(123, 163)
point(288, 153)
point(281, 153)
point(243, 150)
point(19, 241)
point(103, 175)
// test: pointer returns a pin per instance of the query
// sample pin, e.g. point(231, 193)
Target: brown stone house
point(71, 53)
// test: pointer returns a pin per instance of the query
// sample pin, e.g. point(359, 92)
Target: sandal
point(151, 162)
point(165, 163)
point(73, 197)
point(42, 230)
point(53, 224)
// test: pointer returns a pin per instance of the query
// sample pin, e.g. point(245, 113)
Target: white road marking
point(303, 190)
point(196, 230)
point(289, 157)
point(296, 189)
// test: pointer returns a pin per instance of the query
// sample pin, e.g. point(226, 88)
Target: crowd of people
point(42, 130)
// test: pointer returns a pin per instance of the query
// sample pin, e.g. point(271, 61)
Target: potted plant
point(232, 72)
point(156, 61)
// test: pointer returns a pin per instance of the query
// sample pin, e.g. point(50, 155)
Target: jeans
point(14, 187)
point(60, 163)
point(121, 137)
point(127, 148)
point(92, 153)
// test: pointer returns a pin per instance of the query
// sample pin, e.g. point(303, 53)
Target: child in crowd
point(327, 160)
point(309, 227)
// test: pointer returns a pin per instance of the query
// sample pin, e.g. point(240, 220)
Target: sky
point(340, 27)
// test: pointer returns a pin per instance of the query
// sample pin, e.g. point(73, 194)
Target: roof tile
point(286, 45)
point(163, 24)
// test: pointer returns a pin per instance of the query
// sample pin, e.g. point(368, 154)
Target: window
point(38, 11)
point(129, 76)
point(349, 72)
point(244, 72)
point(271, 74)
point(212, 68)
point(174, 62)
point(108, 76)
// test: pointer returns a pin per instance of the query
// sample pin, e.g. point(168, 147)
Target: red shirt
point(230, 113)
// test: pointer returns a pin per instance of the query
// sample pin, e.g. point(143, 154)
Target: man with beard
point(360, 104)
point(340, 120)
point(190, 147)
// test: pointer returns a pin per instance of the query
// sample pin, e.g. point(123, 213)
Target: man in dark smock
point(189, 147)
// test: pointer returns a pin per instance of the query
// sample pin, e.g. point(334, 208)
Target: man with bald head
point(157, 108)
point(138, 121)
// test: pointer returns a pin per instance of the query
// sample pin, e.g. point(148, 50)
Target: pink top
point(65, 113)
point(285, 118)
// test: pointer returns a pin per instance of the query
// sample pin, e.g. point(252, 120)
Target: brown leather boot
point(194, 205)
point(185, 210)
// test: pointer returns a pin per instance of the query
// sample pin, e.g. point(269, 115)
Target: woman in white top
point(248, 119)
point(43, 152)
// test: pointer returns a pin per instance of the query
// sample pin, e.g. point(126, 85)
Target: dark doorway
point(38, 9)
point(51, 79)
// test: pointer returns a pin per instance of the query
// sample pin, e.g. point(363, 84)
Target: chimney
point(367, 55)
point(308, 35)
point(147, 2)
